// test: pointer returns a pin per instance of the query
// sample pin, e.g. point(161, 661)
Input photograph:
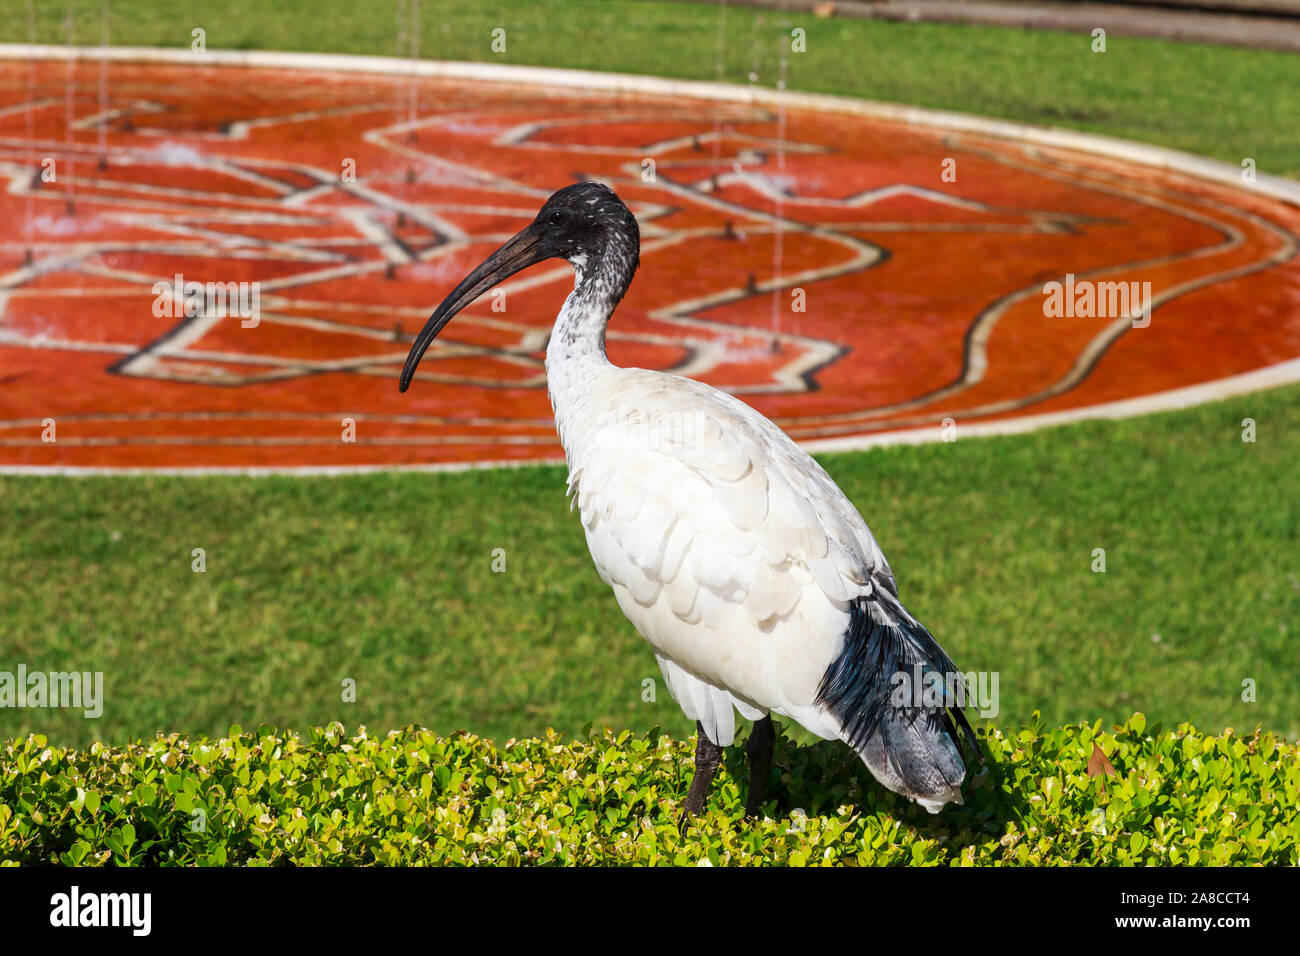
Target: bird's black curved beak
point(519, 253)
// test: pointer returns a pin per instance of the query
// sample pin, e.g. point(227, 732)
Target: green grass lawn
point(387, 580)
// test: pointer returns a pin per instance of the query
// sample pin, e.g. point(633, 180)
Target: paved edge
point(1158, 157)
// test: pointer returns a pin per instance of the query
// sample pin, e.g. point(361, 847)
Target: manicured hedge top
point(1176, 797)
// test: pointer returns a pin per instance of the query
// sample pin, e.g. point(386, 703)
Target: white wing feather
point(728, 547)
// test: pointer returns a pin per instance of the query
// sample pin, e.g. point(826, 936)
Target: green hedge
point(1176, 797)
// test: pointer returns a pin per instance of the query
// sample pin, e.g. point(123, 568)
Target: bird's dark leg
point(707, 757)
point(759, 748)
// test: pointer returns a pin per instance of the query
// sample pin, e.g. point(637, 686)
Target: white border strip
point(1157, 157)
point(1275, 375)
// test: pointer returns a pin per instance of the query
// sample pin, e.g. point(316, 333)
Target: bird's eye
point(555, 218)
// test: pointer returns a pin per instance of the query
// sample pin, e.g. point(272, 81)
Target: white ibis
point(730, 550)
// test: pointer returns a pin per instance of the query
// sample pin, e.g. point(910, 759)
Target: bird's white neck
point(575, 354)
point(578, 337)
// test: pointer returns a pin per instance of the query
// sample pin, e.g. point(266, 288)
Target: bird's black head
point(586, 220)
point(585, 223)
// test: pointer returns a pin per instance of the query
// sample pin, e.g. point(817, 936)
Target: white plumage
point(755, 580)
point(728, 548)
